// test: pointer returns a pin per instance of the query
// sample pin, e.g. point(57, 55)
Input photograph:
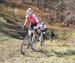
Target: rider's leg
point(30, 36)
point(33, 36)
point(32, 39)
point(39, 34)
point(42, 38)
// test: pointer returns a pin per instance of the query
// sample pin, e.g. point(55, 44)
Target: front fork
point(41, 38)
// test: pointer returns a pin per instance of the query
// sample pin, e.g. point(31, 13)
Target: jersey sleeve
point(36, 18)
point(26, 21)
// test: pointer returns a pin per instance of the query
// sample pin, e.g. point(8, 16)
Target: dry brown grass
point(20, 13)
point(51, 52)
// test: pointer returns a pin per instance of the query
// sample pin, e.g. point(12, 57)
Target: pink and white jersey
point(32, 19)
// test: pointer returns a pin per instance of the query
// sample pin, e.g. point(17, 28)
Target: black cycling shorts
point(32, 25)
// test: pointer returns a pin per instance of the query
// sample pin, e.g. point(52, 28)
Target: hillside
point(65, 17)
point(12, 16)
point(56, 11)
point(50, 53)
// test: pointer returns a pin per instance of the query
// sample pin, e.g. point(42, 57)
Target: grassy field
point(61, 50)
point(58, 51)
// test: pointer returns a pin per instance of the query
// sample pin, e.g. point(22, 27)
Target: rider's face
point(30, 14)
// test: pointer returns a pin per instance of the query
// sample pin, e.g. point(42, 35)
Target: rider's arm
point(26, 21)
point(36, 18)
point(45, 27)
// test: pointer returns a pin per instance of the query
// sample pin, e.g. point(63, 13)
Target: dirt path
point(10, 53)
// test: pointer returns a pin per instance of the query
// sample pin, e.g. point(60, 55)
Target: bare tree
point(38, 3)
point(45, 4)
point(23, 1)
point(2, 1)
point(13, 8)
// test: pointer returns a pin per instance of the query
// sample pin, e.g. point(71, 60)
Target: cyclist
point(32, 23)
point(31, 19)
point(43, 29)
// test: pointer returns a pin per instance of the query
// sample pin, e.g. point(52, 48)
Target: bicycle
point(42, 37)
point(29, 41)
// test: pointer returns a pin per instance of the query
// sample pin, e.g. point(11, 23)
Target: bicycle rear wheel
point(25, 45)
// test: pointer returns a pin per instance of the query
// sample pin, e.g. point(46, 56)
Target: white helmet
point(29, 11)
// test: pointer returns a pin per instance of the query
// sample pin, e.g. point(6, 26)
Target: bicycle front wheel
point(25, 45)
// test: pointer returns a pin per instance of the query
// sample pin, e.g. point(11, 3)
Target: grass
point(58, 51)
point(3, 37)
point(73, 34)
point(2, 14)
point(51, 52)
point(58, 54)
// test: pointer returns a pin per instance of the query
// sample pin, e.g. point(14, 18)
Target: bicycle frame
point(42, 38)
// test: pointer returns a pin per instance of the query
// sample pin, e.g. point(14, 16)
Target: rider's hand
point(23, 27)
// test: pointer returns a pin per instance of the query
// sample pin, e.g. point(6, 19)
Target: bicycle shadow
point(64, 54)
point(44, 52)
point(53, 53)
